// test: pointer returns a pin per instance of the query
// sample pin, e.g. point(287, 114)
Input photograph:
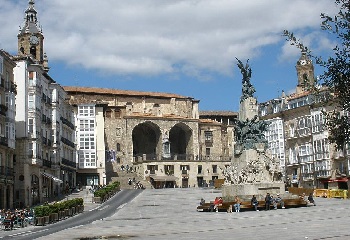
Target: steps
point(123, 177)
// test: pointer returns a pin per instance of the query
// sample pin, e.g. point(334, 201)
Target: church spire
point(30, 36)
point(30, 20)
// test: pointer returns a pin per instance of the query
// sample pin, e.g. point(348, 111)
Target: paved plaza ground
point(171, 214)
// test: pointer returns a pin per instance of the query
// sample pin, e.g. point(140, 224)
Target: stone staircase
point(123, 178)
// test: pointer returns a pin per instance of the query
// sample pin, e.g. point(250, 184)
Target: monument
point(253, 170)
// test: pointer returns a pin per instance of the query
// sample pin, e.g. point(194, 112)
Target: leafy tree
point(336, 76)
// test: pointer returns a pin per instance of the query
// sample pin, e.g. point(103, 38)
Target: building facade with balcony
point(309, 159)
point(7, 130)
point(39, 129)
point(159, 136)
point(64, 161)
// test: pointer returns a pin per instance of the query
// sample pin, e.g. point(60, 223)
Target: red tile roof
point(109, 91)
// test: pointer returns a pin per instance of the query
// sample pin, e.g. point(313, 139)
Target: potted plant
point(46, 212)
point(39, 216)
point(54, 212)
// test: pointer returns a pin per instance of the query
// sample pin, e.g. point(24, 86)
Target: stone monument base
point(246, 190)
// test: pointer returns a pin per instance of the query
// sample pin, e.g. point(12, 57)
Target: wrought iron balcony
point(67, 123)
point(69, 163)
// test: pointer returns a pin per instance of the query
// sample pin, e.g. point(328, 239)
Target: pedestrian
point(237, 204)
point(311, 199)
point(254, 202)
point(267, 201)
point(278, 200)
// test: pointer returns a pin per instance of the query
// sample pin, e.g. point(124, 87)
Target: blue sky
point(186, 47)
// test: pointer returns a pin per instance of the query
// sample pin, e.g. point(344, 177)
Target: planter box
point(40, 221)
point(72, 209)
point(47, 219)
point(62, 214)
point(97, 200)
point(54, 217)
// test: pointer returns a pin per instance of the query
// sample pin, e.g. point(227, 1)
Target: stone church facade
point(160, 136)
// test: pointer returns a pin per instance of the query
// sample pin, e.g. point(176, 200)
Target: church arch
point(146, 140)
point(180, 137)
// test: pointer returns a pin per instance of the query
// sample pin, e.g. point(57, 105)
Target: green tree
point(336, 76)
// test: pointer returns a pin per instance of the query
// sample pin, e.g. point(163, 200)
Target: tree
point(336, 76)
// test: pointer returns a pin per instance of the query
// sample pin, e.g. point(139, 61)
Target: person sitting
point(254, 202)
point(217, 202)
point(278, 200)
point(311, 199)
point(237, 204)
point(201, 203)
point(267, 201)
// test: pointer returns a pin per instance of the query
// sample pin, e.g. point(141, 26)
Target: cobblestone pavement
point(171, 214)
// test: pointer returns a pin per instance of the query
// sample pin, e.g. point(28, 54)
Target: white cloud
point(156, 36)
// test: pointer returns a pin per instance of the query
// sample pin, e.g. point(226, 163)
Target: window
point(117, 113)
point(30, 149)
point(87, 160)
point(215, 168)
point(118, 132)
point(87, 141)
point(317, 122)
point(304, 126)
point(86, 110)
point(31, 102)
point(86, 125)
point(200, 169)
point(118, 147)
point(30, 125)
point(291, 130)
point(208, 136)
point(292, 156)
point(169, 169)
point(207, 151)
point(108, 114)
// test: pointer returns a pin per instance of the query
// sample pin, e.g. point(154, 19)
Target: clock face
point(34, 40)
point(302, 62)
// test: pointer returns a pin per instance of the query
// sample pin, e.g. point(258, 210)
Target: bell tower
point(30, 37)
point(305, 72)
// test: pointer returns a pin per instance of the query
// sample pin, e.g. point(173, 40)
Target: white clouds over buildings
point(156, 36)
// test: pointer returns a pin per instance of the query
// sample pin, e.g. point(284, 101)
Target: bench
point(246, 205)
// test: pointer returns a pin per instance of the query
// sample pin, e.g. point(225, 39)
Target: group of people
point(269, 199)
point(309, 200)
point(16, 218)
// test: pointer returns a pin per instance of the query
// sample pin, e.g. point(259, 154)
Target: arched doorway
point(146, 140)
point(180, 137)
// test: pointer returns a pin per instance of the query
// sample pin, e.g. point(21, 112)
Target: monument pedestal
point(246, 190)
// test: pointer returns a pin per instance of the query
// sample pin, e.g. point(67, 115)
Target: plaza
point(171, 214)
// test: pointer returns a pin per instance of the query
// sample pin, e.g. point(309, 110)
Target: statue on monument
point(252, 162)
point(247, 88)
point(249, 132)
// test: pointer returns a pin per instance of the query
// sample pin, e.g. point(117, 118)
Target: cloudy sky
point(187, 47)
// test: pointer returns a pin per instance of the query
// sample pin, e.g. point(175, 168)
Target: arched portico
point(146, 140)
point(180, 137)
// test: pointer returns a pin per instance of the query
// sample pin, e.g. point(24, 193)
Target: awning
point(337, 180)
point(163, 178)
point(55, 179)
